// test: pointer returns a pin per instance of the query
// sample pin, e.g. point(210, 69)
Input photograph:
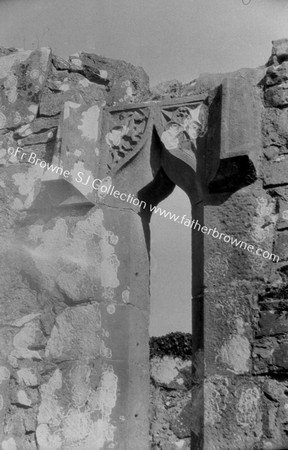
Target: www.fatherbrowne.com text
point(103, 189)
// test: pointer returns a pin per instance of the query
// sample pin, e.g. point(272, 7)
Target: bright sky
point(169, 39)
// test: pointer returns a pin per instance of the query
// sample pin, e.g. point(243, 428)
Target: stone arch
point(81, 258)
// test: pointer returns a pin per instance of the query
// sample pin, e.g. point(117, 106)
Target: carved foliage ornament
point(182, 126)
point(178, 126)
point(126, 136)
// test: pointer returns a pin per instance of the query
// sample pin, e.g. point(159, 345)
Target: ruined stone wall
point(245, 394)
point(170, 408)
point(269, 349)
point(171, 381)
point(74, 296)
point(65, 267)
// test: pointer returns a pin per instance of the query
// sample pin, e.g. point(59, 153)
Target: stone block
point(71, 339)
point(126, 82)
point(39, 125)
point(271, 152)
point(270, 355)
point(39, 138)
point(280, 356)
point(181, 425)
point(170, 89)
point(277, 96)
point(281, 245)
point(240, 119)
point(23, 75)
point(233, 413)
point(272, 323)
point(52, 103)
point(281, 192)
point(274, 128)
point(80, 148)
point(274, 389)
point(27, 377)
point(166, 372)
point(275, 414)
point(262, 352)
point(73, 87)
point(60, 63)
point(253, 224)
point(277, 75)
point(282, 222)
point(280, 49)
point(30, 422)
point(276, 172)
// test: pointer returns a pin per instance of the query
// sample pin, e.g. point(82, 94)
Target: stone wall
point(65, 273)
point(171, 381)
point(74, 264)
point(269, 350)
point(245, 394)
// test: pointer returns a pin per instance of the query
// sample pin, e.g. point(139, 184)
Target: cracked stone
point(22, 399)
point(181, 425)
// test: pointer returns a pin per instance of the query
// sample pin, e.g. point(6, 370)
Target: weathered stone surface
point(22, 399)
point(126, 83)
point(271, 152)
point(39, 138)
point(60, 63)
point(25, 343)
point(64, 87)
point(273, 323)
point(66, 341)
point(282, 223)
point(80, 157)
point(52, 104)
point(274, 128)
point(281, 356)
point(208, 82)
point(281, 194)
point(167, 372)
point(275, 172)
point(280, 49)
point(181, 425)
point(275, 414)
point(237, 408)
point(170, 89)
point(7, 51)
point(277, 96)
point(277, 75)
point(39, 125)
point(281, 245)
point(270, 355)
point(240, 132)
point(166, 407)
point(170, 370)
point(27, 377)
point(23, 75)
